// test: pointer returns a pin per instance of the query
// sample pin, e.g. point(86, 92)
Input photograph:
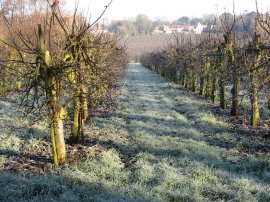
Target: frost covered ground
point(160, 144)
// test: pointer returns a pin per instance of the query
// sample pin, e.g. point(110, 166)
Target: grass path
point(160, 144)
point(180, 150)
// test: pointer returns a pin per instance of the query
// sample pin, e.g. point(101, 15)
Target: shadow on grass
point(52, 187)
point(36, 158)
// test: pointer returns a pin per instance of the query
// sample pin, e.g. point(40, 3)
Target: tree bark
point(4, 86)
point(254, 82)
point(236, 74)
point(75, 125)
point(208, 78)
point(202, 86)
point(56, 112)
point(222, 95)
point(214, 89)
point(255, 117)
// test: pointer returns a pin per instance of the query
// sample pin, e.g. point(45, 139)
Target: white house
point(199, 28)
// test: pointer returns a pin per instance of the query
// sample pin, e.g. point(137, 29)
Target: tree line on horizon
point(143, 25)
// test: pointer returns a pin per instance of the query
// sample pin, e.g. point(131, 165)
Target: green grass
point(161, 144)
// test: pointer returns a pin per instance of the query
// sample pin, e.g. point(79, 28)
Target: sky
point(166, 9)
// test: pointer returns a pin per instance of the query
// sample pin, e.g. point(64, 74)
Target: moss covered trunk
point(236, 73)
point(202, 86)
point(57, 133)
point(208, 78)
point(4, 86)
point(18, 84)
point(56, 117)
point(184, 75)
point(83, 111)
point(208, 85)
point(75, 125)
point(255, 117)
point(182, 78)
point(222, 95)
point(235, 92)
point(194, 82)
point(53, 99)
point(214, 89)
point(254, 83)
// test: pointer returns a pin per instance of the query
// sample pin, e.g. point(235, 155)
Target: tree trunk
point(235, 92)
point(255, 117)
point(184, 74)
point(202, 86)
point(175, 76)
point(194, 84)
point(222, 86)
point(59, 139)
point(188, 84)
point(208, 78)
point(83, 111)
point(4, 87)
point(57, 134)
point(208, 85)
point(182, 78)
point(214, 89)
point(74, 137)
point(56, 112)
point(236, 74)
point(222, 95)
point(75, 125)
point(56, 116)
point(52, 135)
point(18, 84)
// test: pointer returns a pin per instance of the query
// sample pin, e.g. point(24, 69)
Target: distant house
point(170, 29)
point(211, 28)
point(184, 29)
point(187, 29)
point(199, 28)
point(158, 30)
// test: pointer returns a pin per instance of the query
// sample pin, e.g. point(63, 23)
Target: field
point(141, 44)
point(160, 143)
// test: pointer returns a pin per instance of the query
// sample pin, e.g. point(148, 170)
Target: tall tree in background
point(183, 20)
point(144, 24)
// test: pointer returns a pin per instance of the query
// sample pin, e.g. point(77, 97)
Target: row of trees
point(210, 63)
point(60, 65)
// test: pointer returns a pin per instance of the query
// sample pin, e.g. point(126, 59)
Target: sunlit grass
point(10, 143)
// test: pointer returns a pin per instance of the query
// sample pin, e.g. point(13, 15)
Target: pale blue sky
point(167, 9)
